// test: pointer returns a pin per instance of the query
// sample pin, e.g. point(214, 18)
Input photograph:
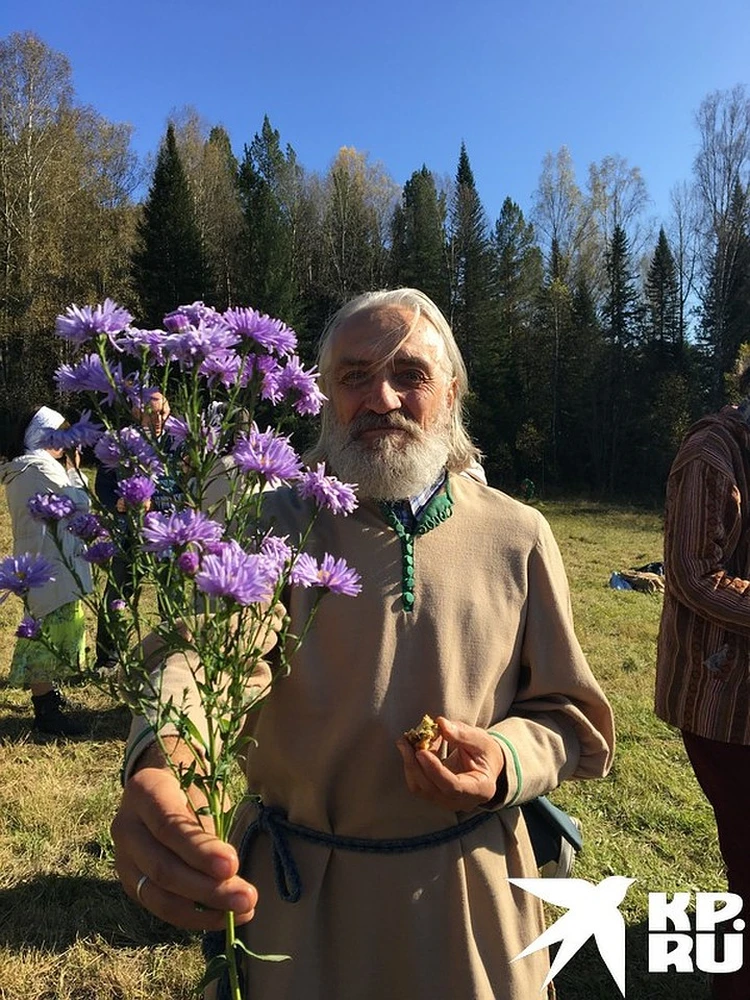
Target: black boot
point(49, 718)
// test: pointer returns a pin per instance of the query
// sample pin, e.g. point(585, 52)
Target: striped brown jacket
point(702, 682)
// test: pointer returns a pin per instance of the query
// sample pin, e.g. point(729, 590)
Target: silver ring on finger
point(139, 888)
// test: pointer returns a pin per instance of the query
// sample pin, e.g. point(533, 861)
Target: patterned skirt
point(34, 663)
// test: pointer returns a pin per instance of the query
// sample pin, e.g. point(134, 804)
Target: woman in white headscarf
point(31, 466)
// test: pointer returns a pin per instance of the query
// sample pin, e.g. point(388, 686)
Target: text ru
point(673, 942)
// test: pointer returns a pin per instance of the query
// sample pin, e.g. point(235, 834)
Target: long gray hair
point(462, 452)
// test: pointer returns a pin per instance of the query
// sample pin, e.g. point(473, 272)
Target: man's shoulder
point(285, 508)
point(482, 501)
point(717, 439)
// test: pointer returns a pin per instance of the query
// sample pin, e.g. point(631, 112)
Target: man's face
point(390, 417)
point(154, 414)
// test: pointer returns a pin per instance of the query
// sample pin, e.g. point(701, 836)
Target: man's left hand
point(467, 778)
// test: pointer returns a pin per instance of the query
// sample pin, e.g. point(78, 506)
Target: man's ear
point(451, 393)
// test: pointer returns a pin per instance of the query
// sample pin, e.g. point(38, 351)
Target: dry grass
point(67, 931)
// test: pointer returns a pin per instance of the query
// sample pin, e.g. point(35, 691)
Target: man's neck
point(408, 509)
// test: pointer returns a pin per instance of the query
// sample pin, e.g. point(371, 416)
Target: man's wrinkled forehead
point(378, 335)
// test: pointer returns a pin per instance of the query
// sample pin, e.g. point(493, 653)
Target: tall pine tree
point(510, 364)
point(471, 268)
point(418, 255)
point(267, 174)
point(621, 330)
point(663, 295)
point(168, 263)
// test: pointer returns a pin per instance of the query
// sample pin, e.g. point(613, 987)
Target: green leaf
point(239, 946)
point(191, 728)
point(214, 969)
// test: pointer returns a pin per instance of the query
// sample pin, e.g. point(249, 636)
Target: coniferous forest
point(593, 334)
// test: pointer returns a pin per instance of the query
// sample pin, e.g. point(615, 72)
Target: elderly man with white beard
point(398, 885)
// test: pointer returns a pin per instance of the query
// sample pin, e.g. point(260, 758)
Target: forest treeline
point(593, 334)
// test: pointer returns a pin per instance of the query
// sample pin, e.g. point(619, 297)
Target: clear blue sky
point(408, 80)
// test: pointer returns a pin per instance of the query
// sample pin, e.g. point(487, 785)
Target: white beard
point(389, 467)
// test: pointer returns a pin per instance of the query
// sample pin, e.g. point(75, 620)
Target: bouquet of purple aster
point(171, 416)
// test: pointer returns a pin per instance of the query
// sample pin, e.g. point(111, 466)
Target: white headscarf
point(44, 420)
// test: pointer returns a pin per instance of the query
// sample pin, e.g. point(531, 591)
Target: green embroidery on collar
point(437, 510)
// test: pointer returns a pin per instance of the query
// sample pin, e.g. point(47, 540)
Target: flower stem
point(231, 953)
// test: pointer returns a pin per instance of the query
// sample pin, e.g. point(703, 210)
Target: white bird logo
point(592, 911)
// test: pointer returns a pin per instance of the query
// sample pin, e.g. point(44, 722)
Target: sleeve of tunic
point(560, 724)
point(178, 678)
point(703, 531)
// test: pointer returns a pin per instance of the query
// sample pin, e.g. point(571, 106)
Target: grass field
point(67, 932)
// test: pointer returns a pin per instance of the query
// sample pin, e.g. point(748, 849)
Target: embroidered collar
point(438, 507)
point(408, 511)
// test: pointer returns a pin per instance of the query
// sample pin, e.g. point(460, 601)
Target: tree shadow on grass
point(52, 912)
point(586, 977)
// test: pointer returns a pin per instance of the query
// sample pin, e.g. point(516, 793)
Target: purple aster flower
point(165, 532)
point(135, 490)
point(86, 526)
point(186, 316)
point(146, 344)
point(294, 378)
point(100, 552)
point(20, 574)
point(83, 434)
point(81, 324)
point(117, 605)
point(225, 367)
point(189, 562)
point(89, 376)
point(269, 454)
point(50, 506)
point(277, 551)
point(304, 572)
point(271, 371)
point(177, 429)
point(327, 491)
point(333, 574)
point(29, 628)
point(231, 572)
point(129, 449)
point(108, 450)
point(269, 333)
point(197, 343)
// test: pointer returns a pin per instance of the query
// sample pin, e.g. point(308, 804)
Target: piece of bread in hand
point(422, 737)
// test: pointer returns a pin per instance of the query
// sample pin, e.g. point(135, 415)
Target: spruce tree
point(621, 308)
point(471, 269)
point(511, 359)
point(588, 390)
point(267, 174)
point(621, 329)
point(168, 265)
point(662, 295)
point(418, 256)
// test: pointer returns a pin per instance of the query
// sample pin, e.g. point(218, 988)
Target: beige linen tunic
point(489, 642)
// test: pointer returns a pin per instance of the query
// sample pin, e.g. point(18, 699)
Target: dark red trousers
point(723, 772)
